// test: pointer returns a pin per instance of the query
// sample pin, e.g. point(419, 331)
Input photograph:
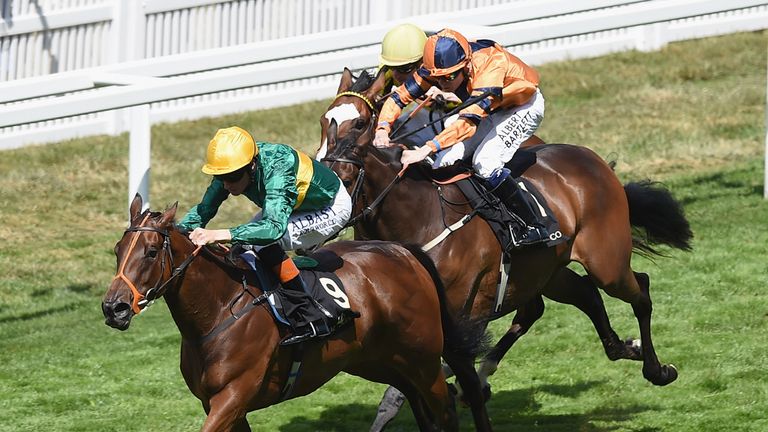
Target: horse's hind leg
point(653, 371)
point(524, 318)
point(431, 403)
point(568, 287)
point(436, 401)
point(467, 377)
point(633, 288)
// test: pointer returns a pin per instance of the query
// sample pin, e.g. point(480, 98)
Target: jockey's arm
point(279, 198)
point(413, 88)
point(199, 215)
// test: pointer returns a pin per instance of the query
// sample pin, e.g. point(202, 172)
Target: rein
point(369, 208)
point(359, 180)
point(468, 102)
point(141, 301)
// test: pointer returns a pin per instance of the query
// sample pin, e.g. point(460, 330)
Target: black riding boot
point(290, 279)
point(508, 191)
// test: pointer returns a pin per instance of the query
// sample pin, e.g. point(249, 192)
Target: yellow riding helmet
point(403, 44)
point(229, 150)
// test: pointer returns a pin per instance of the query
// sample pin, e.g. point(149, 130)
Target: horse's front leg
point(524, 318)
point(226, 413)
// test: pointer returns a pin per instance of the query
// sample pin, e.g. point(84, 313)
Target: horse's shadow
point(519, 410)
point(39, 294)
point(510, 410)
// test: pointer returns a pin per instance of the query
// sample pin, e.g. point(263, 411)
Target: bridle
point(339, 153)
point(141, 301)
point(357, 162)
point(337, 156)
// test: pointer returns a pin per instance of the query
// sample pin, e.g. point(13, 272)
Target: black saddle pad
point(326, 297)
point(501, 219)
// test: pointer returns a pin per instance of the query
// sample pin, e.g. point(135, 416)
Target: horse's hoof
point(628, 349)
point(671, 373)
point(667, 375)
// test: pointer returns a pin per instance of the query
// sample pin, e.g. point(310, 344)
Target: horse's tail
point(465, 336)
point(656, 218)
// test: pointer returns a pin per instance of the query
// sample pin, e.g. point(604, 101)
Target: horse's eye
point(360, 123)
point(152, 253)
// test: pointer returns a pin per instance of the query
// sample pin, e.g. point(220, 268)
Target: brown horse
point(230, 354)
point(595, 211)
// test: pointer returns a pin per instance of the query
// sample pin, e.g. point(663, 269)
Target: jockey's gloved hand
point(382, 138)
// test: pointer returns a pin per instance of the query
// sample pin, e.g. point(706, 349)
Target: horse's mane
point(363, 82)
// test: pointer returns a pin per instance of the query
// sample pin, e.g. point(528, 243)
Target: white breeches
point(497, 138)
point(307, 229)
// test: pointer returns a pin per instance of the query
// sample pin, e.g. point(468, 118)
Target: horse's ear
point(136, 206)
point(346, 81)
point(333, 129)
point(377, 86)
point(169, 214)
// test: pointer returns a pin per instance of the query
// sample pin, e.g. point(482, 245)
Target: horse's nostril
point(121, 308)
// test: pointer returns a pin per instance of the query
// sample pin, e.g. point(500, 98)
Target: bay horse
point(231, 359)
point(605, 222)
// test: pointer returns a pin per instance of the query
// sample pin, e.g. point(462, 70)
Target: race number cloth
point(297, 308)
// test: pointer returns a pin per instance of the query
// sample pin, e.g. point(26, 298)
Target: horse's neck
point(203, 296)
point(409, 209)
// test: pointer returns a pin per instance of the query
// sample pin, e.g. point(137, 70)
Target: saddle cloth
point(504, 222)
point(326, 297)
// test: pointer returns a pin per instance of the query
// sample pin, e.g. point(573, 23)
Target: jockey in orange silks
point(489, 130)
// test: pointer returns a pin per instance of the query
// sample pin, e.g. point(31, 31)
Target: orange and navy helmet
point(446, 52)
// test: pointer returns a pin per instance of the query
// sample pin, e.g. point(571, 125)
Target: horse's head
point(349, 123)
point(144, 264)
point(355, 107)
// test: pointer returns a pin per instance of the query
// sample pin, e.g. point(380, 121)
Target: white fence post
point(127, 43)
point(139, 154)
point(652, 37)
point(765, 163)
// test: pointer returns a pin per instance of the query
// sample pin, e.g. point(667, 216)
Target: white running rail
point(195, 58)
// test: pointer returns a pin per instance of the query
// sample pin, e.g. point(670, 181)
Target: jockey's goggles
point(407, 68)
point(449, 77)
point(233, 176)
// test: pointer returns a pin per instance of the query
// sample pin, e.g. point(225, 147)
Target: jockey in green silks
point(302, 204)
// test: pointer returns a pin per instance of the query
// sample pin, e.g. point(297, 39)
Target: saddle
point(502, 220)
point(325, 299)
